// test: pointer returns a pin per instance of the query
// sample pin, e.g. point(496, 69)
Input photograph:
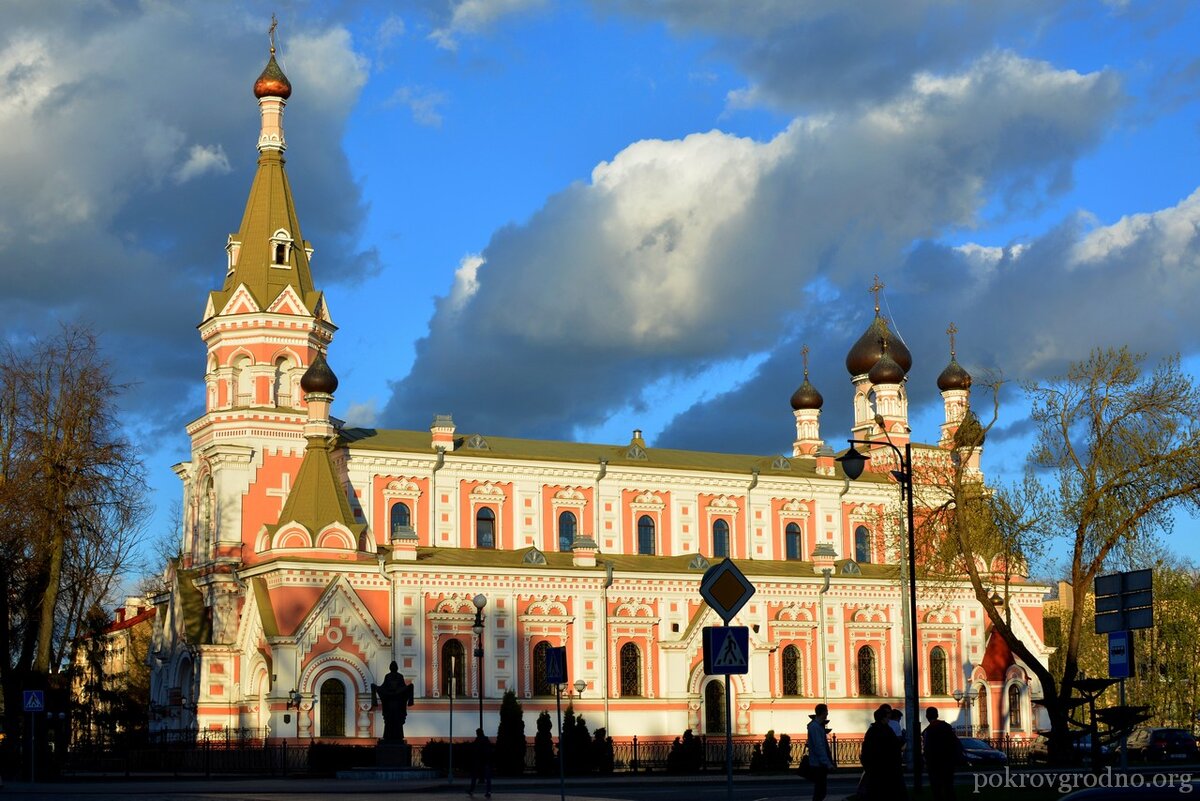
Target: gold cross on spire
point(952, 330)
point(874, 290)
point(804, 355)
point(271, 32)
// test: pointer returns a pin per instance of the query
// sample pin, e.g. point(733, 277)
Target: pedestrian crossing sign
point(726, 650)
point(34, 701)
point(556, 665)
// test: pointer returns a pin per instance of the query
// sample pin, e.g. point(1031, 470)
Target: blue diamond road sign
point(726, 650)
point(34, 701)
point(556, 665)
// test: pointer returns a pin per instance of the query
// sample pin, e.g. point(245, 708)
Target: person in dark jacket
point(481, 768)
point(943, 752)
point(883, 774)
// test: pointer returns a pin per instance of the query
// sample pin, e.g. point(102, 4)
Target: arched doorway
point(332, 708)
point(714, 707)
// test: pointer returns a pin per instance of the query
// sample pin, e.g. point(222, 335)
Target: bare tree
point(72, 493)
point(1117, 453)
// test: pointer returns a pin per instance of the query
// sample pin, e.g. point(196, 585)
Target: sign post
point(34, 703)
point(726, 648)
point(556, 674)
point(1124, 601)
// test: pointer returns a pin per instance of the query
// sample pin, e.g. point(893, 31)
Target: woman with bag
point(817, 756)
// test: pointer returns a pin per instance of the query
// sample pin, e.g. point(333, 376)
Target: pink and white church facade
point(315, 554)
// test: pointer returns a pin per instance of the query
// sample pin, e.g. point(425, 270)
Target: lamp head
point(580, 686)
point(480, 601)
point(853, 463)
point(958, 696)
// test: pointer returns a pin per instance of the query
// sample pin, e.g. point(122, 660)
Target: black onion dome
point(868, 349)
point(954, 377)
point(319, 377)
point(806, 396)
point(886, 370)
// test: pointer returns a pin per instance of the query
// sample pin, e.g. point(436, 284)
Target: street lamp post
point(853, 463)
point(480, 601)
point(964, 698)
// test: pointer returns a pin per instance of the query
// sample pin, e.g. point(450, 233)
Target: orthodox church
point(315, 554)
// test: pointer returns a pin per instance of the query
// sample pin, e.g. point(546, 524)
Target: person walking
point(819, 758)
point(481, 769)
point(943, 752)
point(883, 774)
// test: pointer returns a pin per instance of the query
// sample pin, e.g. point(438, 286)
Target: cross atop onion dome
point(806, 395)
point(272, 82)
point(954, 376)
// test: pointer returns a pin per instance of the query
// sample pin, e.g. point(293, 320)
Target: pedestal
point(393, 755)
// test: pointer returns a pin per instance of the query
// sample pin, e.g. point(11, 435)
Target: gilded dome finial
point(804, 355)
point(952, 330)
point(874, 289)
point(272, 82)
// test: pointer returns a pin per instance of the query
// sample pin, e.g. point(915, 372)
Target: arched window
point(981, 701)
point(332, 706)
point(454, 666)
point(646, 535)
point(631, 670)
point(1014, 708)
point(566, 531)
point(485, 528)
point(714, 708)
point(866, 671)
point(793, 541)
point(720, 542)
point(401, 517)
point(862, 544)
point(206, 520)
point(792, 676)
point(243, 382)
point(937, 671)
point(540, 685)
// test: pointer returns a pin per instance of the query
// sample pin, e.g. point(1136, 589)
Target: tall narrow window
point(566, 531)
point(866, 671)
point(332, 706)
point(714, 708)
point(281, 387)
point(401, 517)
point(981, 701)
point(937, 671)
point(862, 544)
point(631, 670)
point(485, 528)
point(540, 685)
point(720, 543)
point(646, 535)
point(281, 254)
point(791, 671)
point(793, 541)
point(454, 667)
point(1014, 708)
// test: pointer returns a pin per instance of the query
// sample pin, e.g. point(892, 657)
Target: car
point(1039, 751)
point(1162, 745)
point(978, 754)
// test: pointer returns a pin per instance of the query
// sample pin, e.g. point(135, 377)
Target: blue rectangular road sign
point(34, 701)
point(726, 650)
point(1120, 655)
point(556, 665)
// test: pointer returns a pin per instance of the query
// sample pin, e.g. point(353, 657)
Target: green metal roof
point(269, 208)
point(317, 498)
point(588, 453)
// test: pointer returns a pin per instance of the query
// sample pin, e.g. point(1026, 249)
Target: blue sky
point(574, 219)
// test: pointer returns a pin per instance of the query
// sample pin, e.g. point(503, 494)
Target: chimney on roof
point(442, 432)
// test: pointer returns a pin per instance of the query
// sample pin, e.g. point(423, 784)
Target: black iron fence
point(249, 751)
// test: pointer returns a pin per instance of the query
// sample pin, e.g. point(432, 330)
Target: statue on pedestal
point(397, 696)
